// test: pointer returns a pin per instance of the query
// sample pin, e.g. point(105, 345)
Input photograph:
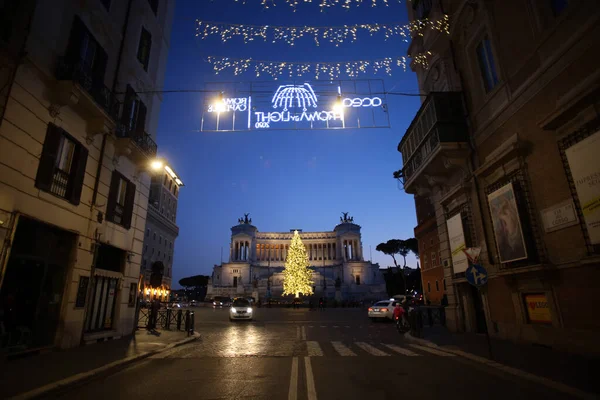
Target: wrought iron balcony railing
point(76, 71)
point(142, 139)
point(440, 119)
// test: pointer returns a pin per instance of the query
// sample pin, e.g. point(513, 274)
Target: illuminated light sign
point(232, 104)
point(362, 102)
point(303, 105)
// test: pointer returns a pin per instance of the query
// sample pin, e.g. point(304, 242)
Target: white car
point(240, 309)
point(382, 310)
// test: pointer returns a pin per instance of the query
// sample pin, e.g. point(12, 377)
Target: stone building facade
point(161, 232)
point(503, 147)
point(257, 260)
point(76, 141)
point(432, 271)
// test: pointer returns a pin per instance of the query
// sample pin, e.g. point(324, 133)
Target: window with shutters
point(62, 165)
point(134, 113)
point(121, 197)
point(145, 44)
point(85, 63)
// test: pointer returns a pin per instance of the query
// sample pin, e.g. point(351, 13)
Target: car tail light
point(384, 309)
point(370, 309)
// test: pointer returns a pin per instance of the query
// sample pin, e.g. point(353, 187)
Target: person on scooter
point(399, 312)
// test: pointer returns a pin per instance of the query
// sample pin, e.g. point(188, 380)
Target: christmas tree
point(297, 277)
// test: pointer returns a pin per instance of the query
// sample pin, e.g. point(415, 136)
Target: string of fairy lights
point(331, 70)
point(333, 34)
point(322, 3)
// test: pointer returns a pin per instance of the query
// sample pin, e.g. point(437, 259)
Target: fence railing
point(423, 316)
point(169, 319)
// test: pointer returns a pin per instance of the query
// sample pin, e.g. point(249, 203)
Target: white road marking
point(303, 333)
point(342, 350)
point(401, 350)
point(314, 350)
point(310, 381)
point(335, 326)
point(293, 392)
point(371, 350)
point(323, 326)
point(311, 326)
point(432, 351)
point(349, 327)
point(297, 332)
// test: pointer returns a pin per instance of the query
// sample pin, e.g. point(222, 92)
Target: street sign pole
point(477, 276)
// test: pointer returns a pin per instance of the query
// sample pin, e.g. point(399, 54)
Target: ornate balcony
point(138, 145)
point(75, 74)
point(436, 136)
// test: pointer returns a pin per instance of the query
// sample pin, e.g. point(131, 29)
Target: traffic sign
point(476, 275)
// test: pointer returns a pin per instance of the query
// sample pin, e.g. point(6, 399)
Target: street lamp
point(157, 165)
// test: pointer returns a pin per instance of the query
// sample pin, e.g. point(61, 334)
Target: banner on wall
point(538, 310)
point(456, 236)
point(585, 169)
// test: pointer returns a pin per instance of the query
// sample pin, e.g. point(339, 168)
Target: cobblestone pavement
point(301, 354)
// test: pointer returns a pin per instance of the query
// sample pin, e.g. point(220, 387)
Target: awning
point(108, 274)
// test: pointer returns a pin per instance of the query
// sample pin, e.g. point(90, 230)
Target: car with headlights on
point(221, 301)
point(382, 310)
point(240, 309)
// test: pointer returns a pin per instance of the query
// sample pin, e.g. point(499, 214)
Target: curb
point(106, 369)
point(560, 387)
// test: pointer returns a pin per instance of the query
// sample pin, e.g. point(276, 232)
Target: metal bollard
point(193, 325)
point(168, 322)
point(187, 321)
point(179, 317)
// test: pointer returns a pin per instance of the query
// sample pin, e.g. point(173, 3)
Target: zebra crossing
point(354, 349)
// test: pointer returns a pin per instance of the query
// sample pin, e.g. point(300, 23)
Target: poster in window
point(507, 224)
point(538, 310)
point(456, 236)
point(585, 170)
point(82, 288)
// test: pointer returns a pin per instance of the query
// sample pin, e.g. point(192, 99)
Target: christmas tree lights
point(333, 34)
point(331, 69)
point(297, 277)
point(323, 3)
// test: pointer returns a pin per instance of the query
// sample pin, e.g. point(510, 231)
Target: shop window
point(143, 54)
point(119, 209)
point(487, 65)
point(62, 165)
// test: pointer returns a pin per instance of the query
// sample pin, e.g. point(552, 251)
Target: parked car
point(240, 309)
point(382, 310)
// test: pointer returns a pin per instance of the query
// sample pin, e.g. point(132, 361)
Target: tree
point(297, 277)
point(194, 281)
point(401, 247)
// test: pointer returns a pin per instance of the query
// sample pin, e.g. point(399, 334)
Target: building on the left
point(77, 140)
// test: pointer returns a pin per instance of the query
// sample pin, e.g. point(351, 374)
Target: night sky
point(284, 179)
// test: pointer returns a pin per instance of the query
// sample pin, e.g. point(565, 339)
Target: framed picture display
point(506, 223)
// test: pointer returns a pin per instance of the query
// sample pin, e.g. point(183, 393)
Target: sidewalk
point(569, 369)
point(53, 368)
